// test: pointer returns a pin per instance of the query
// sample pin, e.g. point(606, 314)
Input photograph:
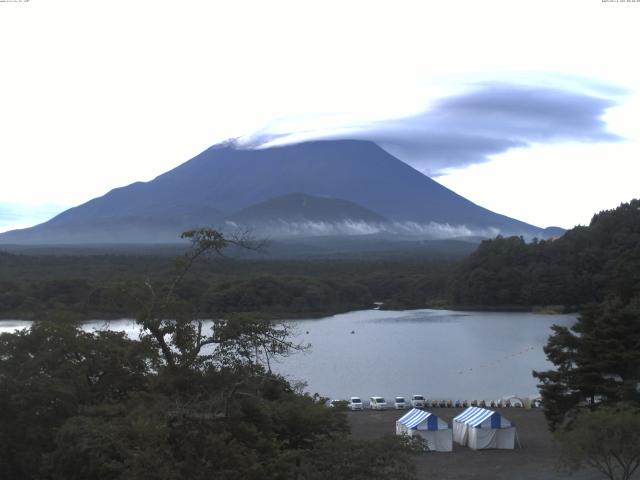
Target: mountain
point(300, 207)
point(226, 182)
point(299, 214)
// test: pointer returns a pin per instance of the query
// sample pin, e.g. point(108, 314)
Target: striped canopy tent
point(479, 428)
point(430, 427)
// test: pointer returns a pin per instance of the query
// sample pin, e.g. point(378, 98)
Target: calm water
point(437, 353)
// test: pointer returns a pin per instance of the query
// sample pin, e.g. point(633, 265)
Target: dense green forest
point(581, 267)
point(94, 286)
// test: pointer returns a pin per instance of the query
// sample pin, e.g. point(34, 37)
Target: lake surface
point(436, 353)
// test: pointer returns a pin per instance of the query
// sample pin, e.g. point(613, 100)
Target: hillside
point(583, 266)
point(295, 214)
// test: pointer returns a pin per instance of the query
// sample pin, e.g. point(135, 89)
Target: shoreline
point(541, 309)
point(275, 316)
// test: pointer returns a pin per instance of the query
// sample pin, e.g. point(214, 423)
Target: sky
point(530, 108)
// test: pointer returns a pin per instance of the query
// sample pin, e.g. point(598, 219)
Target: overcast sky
point(528, 108)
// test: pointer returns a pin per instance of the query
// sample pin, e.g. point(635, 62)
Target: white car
point(355, 403)
point(400, 403)
point(377, 403)
point(417, 401)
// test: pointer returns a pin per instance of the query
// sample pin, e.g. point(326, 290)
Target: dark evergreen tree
point(597, 361)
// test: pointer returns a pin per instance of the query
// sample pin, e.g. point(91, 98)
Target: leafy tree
point(47, 375)
point(607, 440)
point(597, 361)
point(172, 325)
point(247, 341)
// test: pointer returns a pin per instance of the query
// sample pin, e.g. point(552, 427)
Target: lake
point(436, 353)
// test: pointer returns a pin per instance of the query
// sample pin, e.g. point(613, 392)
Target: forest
point(105, 286)
point(581, 267)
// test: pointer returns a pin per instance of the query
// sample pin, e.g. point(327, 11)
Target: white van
point(400, 403)
point(417, 401)
point(355, 403)
point(377, 403)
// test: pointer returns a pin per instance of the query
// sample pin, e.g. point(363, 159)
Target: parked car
point(400, 403)
point(377, 403)
point(355, 403)
point(417, 401)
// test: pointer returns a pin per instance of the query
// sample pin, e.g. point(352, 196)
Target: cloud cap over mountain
point(469, 127)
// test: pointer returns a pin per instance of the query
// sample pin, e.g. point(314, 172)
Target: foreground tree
point(48, 374)
point(607, 440)
point(172, 325)
point(597, 361)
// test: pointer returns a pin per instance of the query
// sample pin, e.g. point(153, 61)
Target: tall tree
point(597, 361)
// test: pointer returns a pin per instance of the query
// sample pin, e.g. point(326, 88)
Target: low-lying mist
point(431, 230)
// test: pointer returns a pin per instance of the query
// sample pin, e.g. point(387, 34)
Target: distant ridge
point(226, 182)
point(300, 207)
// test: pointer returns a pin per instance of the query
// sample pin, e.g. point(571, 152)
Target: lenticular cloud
point(467, 128)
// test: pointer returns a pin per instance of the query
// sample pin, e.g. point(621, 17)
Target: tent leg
point(518, 440)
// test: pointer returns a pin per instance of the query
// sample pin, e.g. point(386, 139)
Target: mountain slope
point(300, 207)
point(224, 179)
point(299, 214)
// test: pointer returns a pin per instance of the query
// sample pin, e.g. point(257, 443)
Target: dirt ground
point(535, 460)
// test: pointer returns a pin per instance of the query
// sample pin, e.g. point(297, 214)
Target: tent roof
point(474, 416)
point(415, 417)
point(468, 413)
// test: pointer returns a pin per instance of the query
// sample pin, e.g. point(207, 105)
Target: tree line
point(583, 266)
point(103, 286)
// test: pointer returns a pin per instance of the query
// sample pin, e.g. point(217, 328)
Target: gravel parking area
point(535, 460)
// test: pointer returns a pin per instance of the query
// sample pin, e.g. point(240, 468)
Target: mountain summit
point(225, 184)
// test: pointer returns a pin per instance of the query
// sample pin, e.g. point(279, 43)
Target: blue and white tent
point(479, 428)
point(435, 431)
